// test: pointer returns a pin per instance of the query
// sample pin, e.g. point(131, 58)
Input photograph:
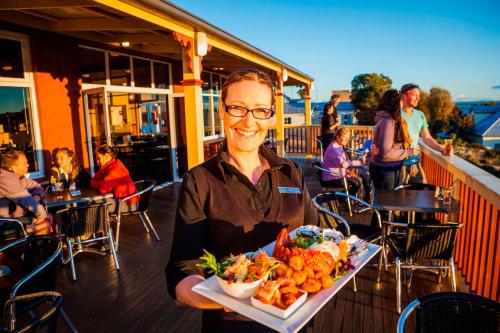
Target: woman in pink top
point(336, 160)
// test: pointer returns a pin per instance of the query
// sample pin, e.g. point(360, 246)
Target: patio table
point(87, 194)
point(412, 201)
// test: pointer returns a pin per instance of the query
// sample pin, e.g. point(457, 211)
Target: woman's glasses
point(241, 111)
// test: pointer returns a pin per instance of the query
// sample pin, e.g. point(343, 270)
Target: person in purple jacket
point(391, 142)
point(335, 159)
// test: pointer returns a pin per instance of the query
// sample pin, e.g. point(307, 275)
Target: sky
point(448, 44)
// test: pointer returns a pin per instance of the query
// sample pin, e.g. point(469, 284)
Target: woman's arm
point(190, 238)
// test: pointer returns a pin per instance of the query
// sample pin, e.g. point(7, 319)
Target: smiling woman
point(235, 202)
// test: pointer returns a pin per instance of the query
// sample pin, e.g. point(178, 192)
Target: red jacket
point(114, 177)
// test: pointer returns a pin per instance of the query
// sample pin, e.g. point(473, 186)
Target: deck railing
point(478, 246)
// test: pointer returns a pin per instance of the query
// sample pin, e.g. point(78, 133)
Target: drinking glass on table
point(59, 189)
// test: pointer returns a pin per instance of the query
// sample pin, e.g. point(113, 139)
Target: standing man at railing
point(417, 128)
point(330, 121)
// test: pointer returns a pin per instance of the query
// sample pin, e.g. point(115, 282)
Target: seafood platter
point(284, 284)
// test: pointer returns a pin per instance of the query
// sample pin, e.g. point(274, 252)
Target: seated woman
point(335, 159)
point(21, 196)
point(68, 171)
point(114, 177)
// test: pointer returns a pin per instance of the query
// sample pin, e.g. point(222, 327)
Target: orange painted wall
point(58, 90)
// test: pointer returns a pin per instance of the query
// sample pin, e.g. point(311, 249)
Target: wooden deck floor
point(135, 299)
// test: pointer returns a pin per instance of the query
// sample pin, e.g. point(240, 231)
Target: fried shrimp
point(296, 262)
point(299, 277)
point(326, 281)
point(311, 286)
point(280, 271)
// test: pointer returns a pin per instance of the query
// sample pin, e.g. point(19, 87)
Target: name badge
point(293, 190)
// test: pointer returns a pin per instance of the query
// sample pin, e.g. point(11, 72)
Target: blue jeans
point(385, 177)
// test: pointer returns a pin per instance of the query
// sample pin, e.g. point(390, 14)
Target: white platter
point(210, 289)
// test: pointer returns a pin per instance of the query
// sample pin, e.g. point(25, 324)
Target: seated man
point(23, 192)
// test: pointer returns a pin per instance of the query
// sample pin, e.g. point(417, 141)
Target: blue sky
point(449, 44)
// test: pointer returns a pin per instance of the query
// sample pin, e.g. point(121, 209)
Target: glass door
point(96, 121)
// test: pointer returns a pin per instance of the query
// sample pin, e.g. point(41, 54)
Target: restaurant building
point(142, 75)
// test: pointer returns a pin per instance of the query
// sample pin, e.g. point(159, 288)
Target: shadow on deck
point(135, 299)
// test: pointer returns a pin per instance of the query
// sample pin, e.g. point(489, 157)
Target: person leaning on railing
point(391, 142)
point(417, 128)
point(24, 194)
point(329, 121)
point(237, 201)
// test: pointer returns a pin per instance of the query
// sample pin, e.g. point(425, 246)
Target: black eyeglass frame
point(227, 108)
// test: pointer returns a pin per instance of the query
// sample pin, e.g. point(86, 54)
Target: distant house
point(486, 124)
point(345, 110)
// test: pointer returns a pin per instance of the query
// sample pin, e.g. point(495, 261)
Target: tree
point(440, 107)
point(460, 126)
point(366, 91)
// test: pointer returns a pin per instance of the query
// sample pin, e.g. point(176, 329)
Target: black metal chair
point(421, 241)
point(11, 229)
point(329, 206)
point(145, 192)
point(90, 223)
point(38, 312)
point(34, 263)
point(334, 206)
point(452, 312)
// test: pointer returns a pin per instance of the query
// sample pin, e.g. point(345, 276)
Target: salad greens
point(305, 242)
point(209, 262)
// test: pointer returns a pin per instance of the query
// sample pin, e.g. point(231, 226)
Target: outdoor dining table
point(87, 194)
point(412, 201)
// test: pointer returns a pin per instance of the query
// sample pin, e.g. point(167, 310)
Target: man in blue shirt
point(417, 128)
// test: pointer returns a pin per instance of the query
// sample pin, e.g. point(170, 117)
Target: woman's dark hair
point(391, 103)
point(75, 167)
point(106, 149)
point(248, 74)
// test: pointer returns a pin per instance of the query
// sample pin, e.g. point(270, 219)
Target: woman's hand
point(185, 295)
point(414, 151)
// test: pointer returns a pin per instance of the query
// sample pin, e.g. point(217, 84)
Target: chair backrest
point(453, 312)
point(146, 192)
point(83, 221)
point(328, 200)
point(431, 241)
point(37, 260)
point(11, 229)
point(36, 312)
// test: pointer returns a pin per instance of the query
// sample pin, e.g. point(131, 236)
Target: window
point(11, 59)
point(119, 70)
point(99, 66)
point(288, 120)
point(211, 88)
point(142, 73)
point(161, 75)
point(18, 121)
point(93, 66)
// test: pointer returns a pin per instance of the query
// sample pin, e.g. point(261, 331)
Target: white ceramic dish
point(278, 312)
point(240, 290)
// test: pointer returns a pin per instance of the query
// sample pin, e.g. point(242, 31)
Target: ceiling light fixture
point(125, 44)
point(284, 74)
point(7, 68)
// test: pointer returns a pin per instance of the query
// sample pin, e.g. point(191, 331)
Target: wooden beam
point(126, 23)
point(34, 4)
point(140, 38)
point(24, 19)
point(105, 13)
point(39, 14)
